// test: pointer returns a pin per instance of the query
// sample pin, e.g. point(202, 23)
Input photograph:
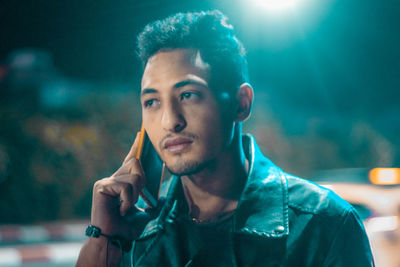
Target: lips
point(177, 145)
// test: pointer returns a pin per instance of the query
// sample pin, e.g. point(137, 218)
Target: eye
point(190, 95)
point(150, 103)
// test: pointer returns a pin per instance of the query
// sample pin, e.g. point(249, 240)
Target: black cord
point(122, 253)
point(120, 249)
point(108, 241)
point(121, 243)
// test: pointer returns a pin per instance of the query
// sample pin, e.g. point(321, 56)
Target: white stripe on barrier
point(57, 253)
point(64, 253)
point(9, 257)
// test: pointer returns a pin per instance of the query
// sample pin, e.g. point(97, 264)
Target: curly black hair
point(208, 32)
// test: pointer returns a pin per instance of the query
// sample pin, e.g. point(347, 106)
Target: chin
point(185, 168)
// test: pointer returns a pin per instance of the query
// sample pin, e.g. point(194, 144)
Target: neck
point(217, 188)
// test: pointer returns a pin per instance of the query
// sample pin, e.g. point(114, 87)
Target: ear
point(244, 98)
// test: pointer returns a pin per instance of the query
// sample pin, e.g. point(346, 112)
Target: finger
point(126, 198)
point(134, 148)
point(136, 180)
point(132, 166)
point(127, 193)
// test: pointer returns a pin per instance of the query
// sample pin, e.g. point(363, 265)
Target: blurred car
point(375, 194)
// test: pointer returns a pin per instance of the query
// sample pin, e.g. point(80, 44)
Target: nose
point(172, 118)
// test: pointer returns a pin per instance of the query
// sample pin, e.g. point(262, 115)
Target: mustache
point(172, 135)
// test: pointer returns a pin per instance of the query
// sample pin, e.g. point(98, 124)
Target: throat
point(208, 208)
point(215, 199)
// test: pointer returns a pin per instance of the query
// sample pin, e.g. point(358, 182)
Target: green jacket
point(280, 220)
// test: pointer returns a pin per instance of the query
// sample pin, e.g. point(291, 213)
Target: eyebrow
point(148, 91)
point(176, 86)
point(189, 82)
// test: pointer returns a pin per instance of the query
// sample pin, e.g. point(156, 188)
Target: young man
point(226, 205)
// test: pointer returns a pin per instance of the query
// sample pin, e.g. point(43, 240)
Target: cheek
point(151, 121)
point(206, 122)
point(218, 128)
point(152, 130)
point(202, 118)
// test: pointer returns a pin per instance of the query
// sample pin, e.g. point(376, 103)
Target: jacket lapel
point(263, 207)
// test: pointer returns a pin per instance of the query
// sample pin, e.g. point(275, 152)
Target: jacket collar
point(263, 207)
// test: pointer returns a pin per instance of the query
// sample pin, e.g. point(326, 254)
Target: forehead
point(172, 66)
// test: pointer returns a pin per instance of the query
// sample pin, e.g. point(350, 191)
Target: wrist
point(115, 240)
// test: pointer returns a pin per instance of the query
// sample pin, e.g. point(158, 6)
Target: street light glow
point(275, 5)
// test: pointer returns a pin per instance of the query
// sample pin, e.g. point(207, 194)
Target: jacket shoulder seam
point(302, 208)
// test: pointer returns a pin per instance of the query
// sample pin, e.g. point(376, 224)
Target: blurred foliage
point(319, 142)
point(50, 157)
point(59, 135)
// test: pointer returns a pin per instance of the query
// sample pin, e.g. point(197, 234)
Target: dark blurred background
point(325, 74)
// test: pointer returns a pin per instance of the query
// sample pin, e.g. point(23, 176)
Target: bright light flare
point(275, 5)
point(385, 176)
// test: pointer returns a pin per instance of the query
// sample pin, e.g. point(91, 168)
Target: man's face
point(181, 115)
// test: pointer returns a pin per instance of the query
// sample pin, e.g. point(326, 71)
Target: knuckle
point(98, 184)
point(133, 163)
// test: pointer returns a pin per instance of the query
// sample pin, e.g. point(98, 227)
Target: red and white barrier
point(74, 231)
point(46, 254)
point(52, 243)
